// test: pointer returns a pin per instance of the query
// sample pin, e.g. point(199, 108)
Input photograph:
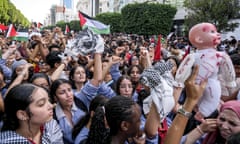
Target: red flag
point(11, 31)
point(3, 27)
point(67, 30)
point(157, 52)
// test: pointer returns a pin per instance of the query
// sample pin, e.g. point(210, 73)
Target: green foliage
point(75, 25)
point(10, 14)
point(4, 7)
point(148, 18)
point(112, 19)
point(61, 24)
point(218, 12)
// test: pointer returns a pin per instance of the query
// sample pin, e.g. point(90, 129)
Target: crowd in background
point(98, 98)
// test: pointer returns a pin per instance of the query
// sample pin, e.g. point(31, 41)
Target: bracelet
point(200, 130)
point(185, 113)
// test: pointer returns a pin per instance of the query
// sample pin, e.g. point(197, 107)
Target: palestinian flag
point(11, 31)
point(21, 36)
point(94, 25)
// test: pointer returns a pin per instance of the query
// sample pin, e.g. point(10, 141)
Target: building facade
point(69, 4)
point(93, 7)
point(65, 11)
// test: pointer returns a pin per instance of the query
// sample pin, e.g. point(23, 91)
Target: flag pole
point(63, 11)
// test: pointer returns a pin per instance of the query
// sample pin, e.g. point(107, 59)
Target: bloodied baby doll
point(205, 38)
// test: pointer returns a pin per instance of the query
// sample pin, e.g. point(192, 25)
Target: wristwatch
point(182, 111)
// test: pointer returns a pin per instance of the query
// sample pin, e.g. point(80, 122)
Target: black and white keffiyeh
point(84, 43)
point(152, 76)
point(160, 81)
point(11, 137)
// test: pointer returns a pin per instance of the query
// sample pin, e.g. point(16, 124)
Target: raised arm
point(20, 77)
point(152, 122)
point(97, 75)
point(145, 59)
point(112, 67)
point(194, 93)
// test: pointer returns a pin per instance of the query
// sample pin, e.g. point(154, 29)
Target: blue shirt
point(65, 124)
point(87, 93)
point(115, 72)
point(82, 135)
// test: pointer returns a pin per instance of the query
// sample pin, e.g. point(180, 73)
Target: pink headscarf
point(233, 105)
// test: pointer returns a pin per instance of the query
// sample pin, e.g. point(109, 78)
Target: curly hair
point(98, 132)
point(97, 101)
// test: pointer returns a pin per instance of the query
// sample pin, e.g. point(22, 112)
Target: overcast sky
point(35, 10)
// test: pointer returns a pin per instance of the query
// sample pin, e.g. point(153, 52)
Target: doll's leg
point(210, 99)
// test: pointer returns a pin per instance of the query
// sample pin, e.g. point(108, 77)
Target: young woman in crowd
point(124, 87)
point(41, 79)
point(67, 111)
point(28, 117)
point(134, 72)
point(123, 118)
point(134, 60)
point(78, 78)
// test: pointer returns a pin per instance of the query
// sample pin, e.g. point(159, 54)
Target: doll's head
point(204, 35)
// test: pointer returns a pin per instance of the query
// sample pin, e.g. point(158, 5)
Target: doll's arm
point(184, 70)
point(228, 71)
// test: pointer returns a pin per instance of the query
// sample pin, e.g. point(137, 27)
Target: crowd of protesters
point(50, 97)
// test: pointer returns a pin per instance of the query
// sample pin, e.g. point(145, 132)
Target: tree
point(112, 19)
point(217, 12)
point(61, 24)
point(9, 14)
point(148, 18)
point(75, 25)
point(3, 11)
